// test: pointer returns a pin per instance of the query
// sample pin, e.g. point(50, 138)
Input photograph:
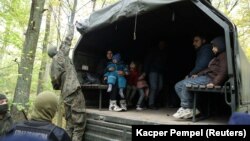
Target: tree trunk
point(94, 4)
point(6, 35)
point(22, 90)
point(104, 2)
point(41, 77)
point(59, 24)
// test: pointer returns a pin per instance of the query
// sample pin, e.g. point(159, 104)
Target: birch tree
point(22, 90)
point(44, 51)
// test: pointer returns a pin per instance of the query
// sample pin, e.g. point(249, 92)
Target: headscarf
point(45, 107)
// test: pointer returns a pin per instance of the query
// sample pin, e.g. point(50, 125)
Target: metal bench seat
point(197, 89)
point(99, 87)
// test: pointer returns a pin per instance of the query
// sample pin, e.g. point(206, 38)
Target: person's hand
point(111, 69)
point(142, 76)
point(194, 76)
point(120, 72)
point(105, 78)
point(210, 85)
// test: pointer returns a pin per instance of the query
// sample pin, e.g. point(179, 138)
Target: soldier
point(40, 125)
point(5, 118)
point(63, 76)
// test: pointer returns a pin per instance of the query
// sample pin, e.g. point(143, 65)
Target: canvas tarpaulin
point(119, 11)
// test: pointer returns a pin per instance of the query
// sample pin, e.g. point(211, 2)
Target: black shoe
point(153, 107)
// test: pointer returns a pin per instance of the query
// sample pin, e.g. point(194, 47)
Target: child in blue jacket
point(113, 76)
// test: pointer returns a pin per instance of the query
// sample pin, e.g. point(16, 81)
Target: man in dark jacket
point(204, 54)
point(215, 74)
point(5, 118)
point(40, 125)
point(154, 68)
point(101, 70)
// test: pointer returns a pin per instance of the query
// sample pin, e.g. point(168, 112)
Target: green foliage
point(239, 12)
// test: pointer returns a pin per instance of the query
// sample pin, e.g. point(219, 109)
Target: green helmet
point(52, 51)
point(2, 96)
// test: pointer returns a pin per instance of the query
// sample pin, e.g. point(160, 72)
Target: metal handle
point(226, 93)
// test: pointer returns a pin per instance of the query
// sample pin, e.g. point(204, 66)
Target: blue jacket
point(118, 67)
point(203, 56)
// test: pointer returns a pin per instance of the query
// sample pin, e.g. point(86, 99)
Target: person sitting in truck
point(113, 77)
point(101, 68)
point(214, 75)
point(132, 80)
point(204, 54)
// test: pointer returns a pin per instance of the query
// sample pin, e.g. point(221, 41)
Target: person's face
point(132, 65)
point(109, 54)
point(3, 101)
point(197, 42)
point(215, 49)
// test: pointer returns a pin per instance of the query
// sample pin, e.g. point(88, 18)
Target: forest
point(30, 27)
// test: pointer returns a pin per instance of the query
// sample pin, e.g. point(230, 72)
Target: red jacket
point(133, 77)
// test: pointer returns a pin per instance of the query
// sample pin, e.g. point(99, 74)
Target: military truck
point(132, 27)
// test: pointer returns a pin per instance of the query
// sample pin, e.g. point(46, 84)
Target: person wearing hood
point(40, 124)
point(114, 77)
point(5, 118)
point(214, 75)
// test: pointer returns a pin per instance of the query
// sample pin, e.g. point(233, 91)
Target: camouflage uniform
point(5, 118)
point(64, 78)
point(5, 124)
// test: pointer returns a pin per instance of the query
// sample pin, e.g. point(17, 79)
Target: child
point(113, 76)
point(143, 89)
point(132, 80)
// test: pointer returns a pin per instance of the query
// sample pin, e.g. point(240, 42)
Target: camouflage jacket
point(5, 124)
point(63, 74)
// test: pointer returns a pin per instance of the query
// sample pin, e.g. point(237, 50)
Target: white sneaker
point(190, 114)
point(109, 89)
point(138, 108)
point(178, 113)
point(123, 105)
point(113, 106)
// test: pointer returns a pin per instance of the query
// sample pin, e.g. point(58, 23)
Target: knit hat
point(117, 57)
point(45, 107)
point(2, 96)
point(219, 42)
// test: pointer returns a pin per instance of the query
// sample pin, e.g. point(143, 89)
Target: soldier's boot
point(123, 105)
point(113, 106)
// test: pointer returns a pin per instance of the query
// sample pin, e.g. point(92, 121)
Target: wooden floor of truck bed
point(148, 116)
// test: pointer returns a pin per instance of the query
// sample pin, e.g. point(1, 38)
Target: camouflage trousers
point(75, 115)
